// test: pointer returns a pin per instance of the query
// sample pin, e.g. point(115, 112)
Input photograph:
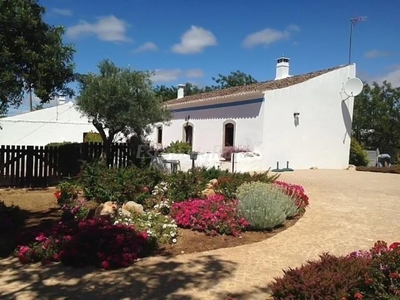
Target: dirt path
point(349, 211)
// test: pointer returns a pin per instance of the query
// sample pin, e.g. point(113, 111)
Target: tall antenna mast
point(353, 22)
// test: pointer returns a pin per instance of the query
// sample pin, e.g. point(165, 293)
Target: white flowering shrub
point(158, 226)
point(159, 202)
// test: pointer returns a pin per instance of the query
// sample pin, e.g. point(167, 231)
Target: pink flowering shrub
point(295, 191)
point(77, 209)
point(214, 215)
point(227, 151)
point(94, 242)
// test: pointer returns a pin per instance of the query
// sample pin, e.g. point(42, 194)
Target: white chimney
point(181, 91)
point(282, 67)
point(61, 100)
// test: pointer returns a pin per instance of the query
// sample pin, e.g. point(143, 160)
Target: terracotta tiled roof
point(257, 87)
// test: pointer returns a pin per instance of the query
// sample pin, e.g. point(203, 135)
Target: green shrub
point(229, 182)
point(289, 206)
point(58, 144)
point(263, 204)
point(178, 147)
point(92, 137)
point(103, 184)
point(67, 190)
point(184, 185)
point(329, 278)
point(212, 173)
point(358, 156)
point(11, 217)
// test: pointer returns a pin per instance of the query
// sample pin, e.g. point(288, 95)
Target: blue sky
point(194, 40)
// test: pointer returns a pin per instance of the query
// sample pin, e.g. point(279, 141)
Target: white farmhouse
point(304, 119)
point(61, 123)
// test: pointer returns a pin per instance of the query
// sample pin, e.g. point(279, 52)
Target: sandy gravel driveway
point(349, 210)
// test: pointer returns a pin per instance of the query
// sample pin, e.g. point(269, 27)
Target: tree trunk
point(107, 148)
point(106, 141)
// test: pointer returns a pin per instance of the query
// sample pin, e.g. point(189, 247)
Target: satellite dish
point(353, 87)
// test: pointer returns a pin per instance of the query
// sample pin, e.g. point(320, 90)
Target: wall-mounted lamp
point(296, 118)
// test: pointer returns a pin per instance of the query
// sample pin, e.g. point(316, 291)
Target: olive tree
point(119, 100)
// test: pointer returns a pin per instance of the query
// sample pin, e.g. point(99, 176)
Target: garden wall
point(247, 162)
point(243, 162)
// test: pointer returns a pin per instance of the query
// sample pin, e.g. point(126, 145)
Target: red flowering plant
point(214, 215)
point(94, 242)
point(295, 191)
point(382, 279)
point(67, 191)
point(384, 273)
point(70, 203)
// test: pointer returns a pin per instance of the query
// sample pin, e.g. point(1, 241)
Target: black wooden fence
point(39, 166)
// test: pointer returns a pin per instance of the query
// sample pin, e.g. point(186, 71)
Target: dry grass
point(30, 200)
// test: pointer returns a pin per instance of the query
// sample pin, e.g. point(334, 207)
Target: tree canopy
point(376, 117)
point(168, 93)
point(236, 78)
point(120, 100)
point(32, 55)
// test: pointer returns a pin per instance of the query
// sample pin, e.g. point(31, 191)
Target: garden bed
point(395, 169)
point(109, 218)
point(40, 210)
point(190, 241)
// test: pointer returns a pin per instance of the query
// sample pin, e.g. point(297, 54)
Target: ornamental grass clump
point(264, 206)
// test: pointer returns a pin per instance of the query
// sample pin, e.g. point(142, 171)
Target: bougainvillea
point(295, 191)
point(94, 242)
point(214, 215)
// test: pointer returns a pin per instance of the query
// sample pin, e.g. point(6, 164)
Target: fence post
point(29, 164)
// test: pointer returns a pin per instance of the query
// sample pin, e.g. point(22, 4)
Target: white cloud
point(194, 73)
point(376, 53)
point(162, 75)
point(392, 76)
point(293, 27)
point(62, 12)
point(149, 46)
point(109, 29)
point(269, 36)
point(195, 40)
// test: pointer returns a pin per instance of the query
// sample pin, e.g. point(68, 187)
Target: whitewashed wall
point(322, 138)
point(41, 127)
point(247, 162)
point(208, 122)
